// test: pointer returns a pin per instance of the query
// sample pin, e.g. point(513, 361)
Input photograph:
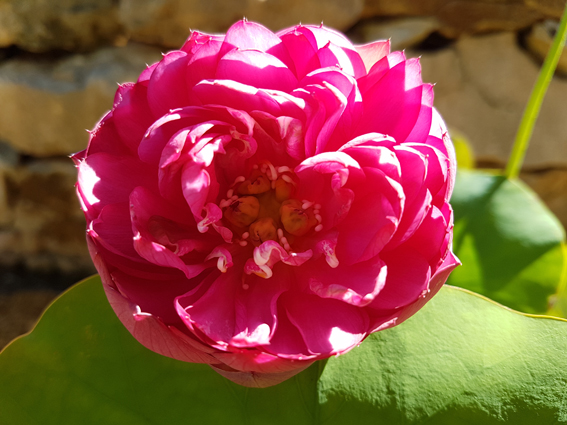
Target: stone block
point(539, 40)
point(72, 25)
point(403, 33)
point(482, 87)
point(46, 229)
point(167, 22)
point(48, 104)
point(470, 16)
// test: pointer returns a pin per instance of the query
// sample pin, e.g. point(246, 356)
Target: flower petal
point(256, 68)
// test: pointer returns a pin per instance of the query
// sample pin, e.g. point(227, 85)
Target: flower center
point(262, 207)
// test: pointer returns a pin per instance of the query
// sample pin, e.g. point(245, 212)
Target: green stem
point(534, 103)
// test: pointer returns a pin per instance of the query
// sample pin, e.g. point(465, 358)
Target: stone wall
point(60, 62)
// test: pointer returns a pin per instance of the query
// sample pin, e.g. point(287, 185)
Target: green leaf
point(463, 150)
point(461, 360)
point(510, 244)
point(558, 302)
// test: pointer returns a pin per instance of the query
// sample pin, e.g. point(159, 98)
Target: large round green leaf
point(510, 244)
point(461, 360)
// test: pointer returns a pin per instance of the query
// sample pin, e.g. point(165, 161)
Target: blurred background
point(60, 61)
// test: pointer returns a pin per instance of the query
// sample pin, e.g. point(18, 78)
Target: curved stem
point(536, 98)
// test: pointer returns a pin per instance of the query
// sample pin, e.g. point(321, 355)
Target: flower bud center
point(262, 207)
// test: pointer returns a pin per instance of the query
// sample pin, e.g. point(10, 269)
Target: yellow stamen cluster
point(261, 207)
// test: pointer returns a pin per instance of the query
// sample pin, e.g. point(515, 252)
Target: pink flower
point(258, 201)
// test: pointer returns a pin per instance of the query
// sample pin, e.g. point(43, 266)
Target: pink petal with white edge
point(113, 229)
point(248, 98)
point(152, 251)
point(257, 69)
point(323, 36)
point(251, 35)
point(104, 138)
point(217, 324)
point(132, 114)
point(256, 310)
point(357, 285)
point(98, 174)
point(258, 379)
point(203, 63)
point(147, 329)
point(369, 226)
point(435, 284)
point(372, 52)
point(429, 238)
point(379, 69)
point(258, 362)
point(422, 126)
point(328, 326)
point(392, 105)
point(167, 88)
point(404, 284)
point(302, 52)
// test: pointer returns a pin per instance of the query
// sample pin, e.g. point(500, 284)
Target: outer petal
point(132, 114)
point(328, 326)
point(357, 285)
point(146, 328)
point(393, 104)
point(256, 68)
point(262, 379)
point(167, 88)
point(372, 52)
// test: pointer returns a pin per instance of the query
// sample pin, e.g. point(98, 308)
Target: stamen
point(306, 204)
point(284, 169)
point(288, 179)
point(245, 235)
point(318, 228)
point(239, 179)
point(242, 243)
point(317, 206)
point(273, 172)
point(229, 193)
point(280, 233)
point(221, 264)
point(318, 218)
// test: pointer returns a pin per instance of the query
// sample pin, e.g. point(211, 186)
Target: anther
point(243, 211)
point(280, 233)
point(284, 169)
point(245, 235)
point(294, 219)
point(239, 179)
point(263, 230)
point(229, 193)
point(318, 218)
point(318, 228)
point(242, 243)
